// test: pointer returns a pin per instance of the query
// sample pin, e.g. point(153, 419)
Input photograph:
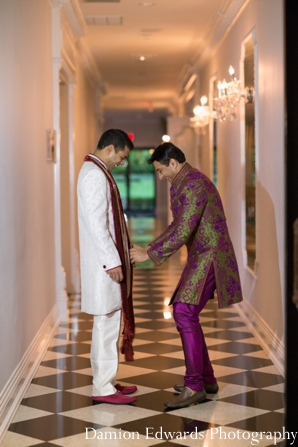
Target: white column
point(75, 274)
point(61, 295)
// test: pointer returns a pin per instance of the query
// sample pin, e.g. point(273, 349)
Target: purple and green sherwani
point(198, 222)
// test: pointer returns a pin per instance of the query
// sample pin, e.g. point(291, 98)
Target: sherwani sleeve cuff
point(111, 265)
point(153, 256)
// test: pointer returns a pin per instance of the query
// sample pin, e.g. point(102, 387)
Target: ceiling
point(147, 51)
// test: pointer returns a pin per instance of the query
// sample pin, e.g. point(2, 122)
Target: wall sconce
point(201, 116)
point(51, 145)
point(229, 95)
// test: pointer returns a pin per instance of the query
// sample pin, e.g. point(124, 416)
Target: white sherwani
point(98, 253)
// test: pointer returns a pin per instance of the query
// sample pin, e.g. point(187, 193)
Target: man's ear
point(173, 163)
point(110, 148)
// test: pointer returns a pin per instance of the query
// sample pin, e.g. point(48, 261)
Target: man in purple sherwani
point(198, 222)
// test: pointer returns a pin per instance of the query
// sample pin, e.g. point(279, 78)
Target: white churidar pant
point(104, 352)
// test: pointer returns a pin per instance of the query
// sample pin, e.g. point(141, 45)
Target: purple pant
point(198, 366)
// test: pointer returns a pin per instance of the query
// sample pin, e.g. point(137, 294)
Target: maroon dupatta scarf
point(123, 246)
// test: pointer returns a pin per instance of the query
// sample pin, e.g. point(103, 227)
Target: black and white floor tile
point(248, 409)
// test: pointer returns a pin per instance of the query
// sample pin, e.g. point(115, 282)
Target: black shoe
point(186, 398)
point(210, 388)
point(178, 388)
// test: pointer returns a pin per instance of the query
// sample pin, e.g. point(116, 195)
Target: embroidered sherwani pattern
point(98, 252)
point(199, 222)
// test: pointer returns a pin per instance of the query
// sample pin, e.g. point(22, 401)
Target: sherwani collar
point(181, 174)
point(95, 157)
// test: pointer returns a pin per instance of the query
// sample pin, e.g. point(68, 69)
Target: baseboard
point(16, 387)
point(272, 345)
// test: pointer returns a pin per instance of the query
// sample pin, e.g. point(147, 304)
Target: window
point(136, 182)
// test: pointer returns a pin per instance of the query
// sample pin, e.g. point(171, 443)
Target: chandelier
point(229, 95)
point(201, 116)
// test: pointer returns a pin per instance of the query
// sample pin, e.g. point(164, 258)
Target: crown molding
point(89, 62)
point(74, 15)
point(219, 27)
point(219, 31)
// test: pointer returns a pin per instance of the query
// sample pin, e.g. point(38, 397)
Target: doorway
point(250, 157)
point(136, 183)
point(69, 254)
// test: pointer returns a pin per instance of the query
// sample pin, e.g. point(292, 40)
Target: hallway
point(57, 406)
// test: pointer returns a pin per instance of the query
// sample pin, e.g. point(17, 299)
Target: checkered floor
point(57, 407)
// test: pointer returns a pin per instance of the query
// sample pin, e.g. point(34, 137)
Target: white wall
point(27, 261)
point(264, 290)
point(28, 184)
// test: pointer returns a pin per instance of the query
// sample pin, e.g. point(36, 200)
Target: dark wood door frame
point(291, 153)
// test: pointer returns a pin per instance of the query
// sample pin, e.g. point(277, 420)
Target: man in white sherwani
point(105, 265)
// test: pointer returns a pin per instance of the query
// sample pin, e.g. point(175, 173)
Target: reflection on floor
point(248, 409)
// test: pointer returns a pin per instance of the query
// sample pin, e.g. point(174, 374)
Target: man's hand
point(138, 254)
point(116, 274)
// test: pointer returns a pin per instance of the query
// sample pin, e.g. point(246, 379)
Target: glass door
point(136, 182)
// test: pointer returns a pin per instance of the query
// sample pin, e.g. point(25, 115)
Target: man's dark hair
point(164, 152)
point(117, 137)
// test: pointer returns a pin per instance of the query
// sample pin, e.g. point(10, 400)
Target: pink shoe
point(116, 399)
point(126, 389)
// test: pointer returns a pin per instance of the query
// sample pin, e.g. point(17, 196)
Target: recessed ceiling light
point(143, 56)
